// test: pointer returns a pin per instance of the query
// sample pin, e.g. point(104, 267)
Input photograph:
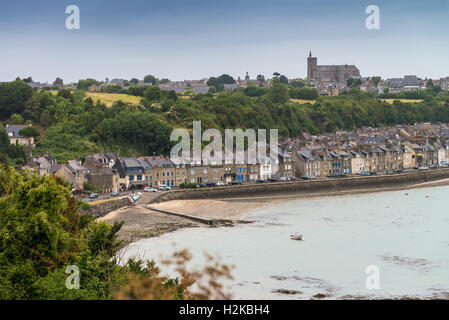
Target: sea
point(385, 245)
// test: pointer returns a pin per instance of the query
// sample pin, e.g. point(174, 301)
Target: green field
point(109, 98)
point(390, 101)
point(302, 101)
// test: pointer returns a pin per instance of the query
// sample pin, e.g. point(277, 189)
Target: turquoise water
point(405, 234)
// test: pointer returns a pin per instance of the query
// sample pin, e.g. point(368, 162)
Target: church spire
point(310, 54)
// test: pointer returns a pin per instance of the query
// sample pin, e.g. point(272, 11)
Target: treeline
point(75, 125)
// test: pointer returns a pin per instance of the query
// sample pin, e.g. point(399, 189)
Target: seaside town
point(223, 155)
point(365, 151)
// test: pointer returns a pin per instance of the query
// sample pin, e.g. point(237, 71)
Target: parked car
point(167, 188)
point(201, 185)
point(364, 173)
point(162, 187)
point(234, 183)
point(307, 178)
point(115, 194)
point(398, 171)
point(342, 175)
point(210, 184)
point(260, 181)
point(220, 184)
point(93, 195)
point(423, 168)
point(149, 189)
point(274, 180)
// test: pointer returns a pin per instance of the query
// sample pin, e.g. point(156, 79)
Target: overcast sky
point(202, 38)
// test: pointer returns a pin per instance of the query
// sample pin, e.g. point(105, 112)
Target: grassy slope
point(109, 98)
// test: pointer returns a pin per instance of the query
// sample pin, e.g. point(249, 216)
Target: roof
point(13, 130)
point(75, 165)
point(55, 167)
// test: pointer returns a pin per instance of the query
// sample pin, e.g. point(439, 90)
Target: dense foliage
point(75, 125)
point(9, 153)
point(42, 233)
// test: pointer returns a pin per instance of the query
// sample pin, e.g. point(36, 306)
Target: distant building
point(329, 73)
point(58, 83)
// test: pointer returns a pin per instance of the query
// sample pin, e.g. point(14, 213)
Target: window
point(131, 178)
point(139, 177)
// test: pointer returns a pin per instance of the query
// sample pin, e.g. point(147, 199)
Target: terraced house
point(132, 173)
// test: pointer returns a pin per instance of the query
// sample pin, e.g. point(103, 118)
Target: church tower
point(311, 68)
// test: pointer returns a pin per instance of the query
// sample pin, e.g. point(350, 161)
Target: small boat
point(296, 236)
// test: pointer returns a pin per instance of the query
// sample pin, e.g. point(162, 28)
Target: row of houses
point(380, 150)
point(111, 173)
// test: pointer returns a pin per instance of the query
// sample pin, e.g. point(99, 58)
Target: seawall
point(102, 209)
point(310, 187)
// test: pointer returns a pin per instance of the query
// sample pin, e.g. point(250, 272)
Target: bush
point(188, 185)
point(84, 206)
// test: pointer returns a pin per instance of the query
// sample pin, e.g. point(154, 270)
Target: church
point(329, 73)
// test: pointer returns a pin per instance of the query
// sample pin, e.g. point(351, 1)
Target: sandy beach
point(212, 209)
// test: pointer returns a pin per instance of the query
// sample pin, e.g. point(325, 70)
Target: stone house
point(15, 138)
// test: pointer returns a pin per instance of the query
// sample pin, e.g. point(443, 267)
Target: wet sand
point(141, 223)
point(212, 209)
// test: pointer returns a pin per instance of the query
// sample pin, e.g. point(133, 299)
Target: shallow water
point(405, 234)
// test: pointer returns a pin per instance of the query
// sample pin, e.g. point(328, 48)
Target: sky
point(183, 40)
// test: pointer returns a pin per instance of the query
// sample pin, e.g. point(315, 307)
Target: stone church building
point(329, 73)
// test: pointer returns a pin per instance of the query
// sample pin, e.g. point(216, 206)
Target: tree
point(353, 83)
point(298, 83)
point(150, 79)
point(134, 81)
point(152, 93)
point(276, 75)
point(283, 79)
point(45, 119)
point(261, 79)
point(376, 80)
point(10, 153)
point(13, 96)
point(278, 92)
point(66, 93)
point(219, 82)
point(86, 84)
point(29, 132)
point(16, 119)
